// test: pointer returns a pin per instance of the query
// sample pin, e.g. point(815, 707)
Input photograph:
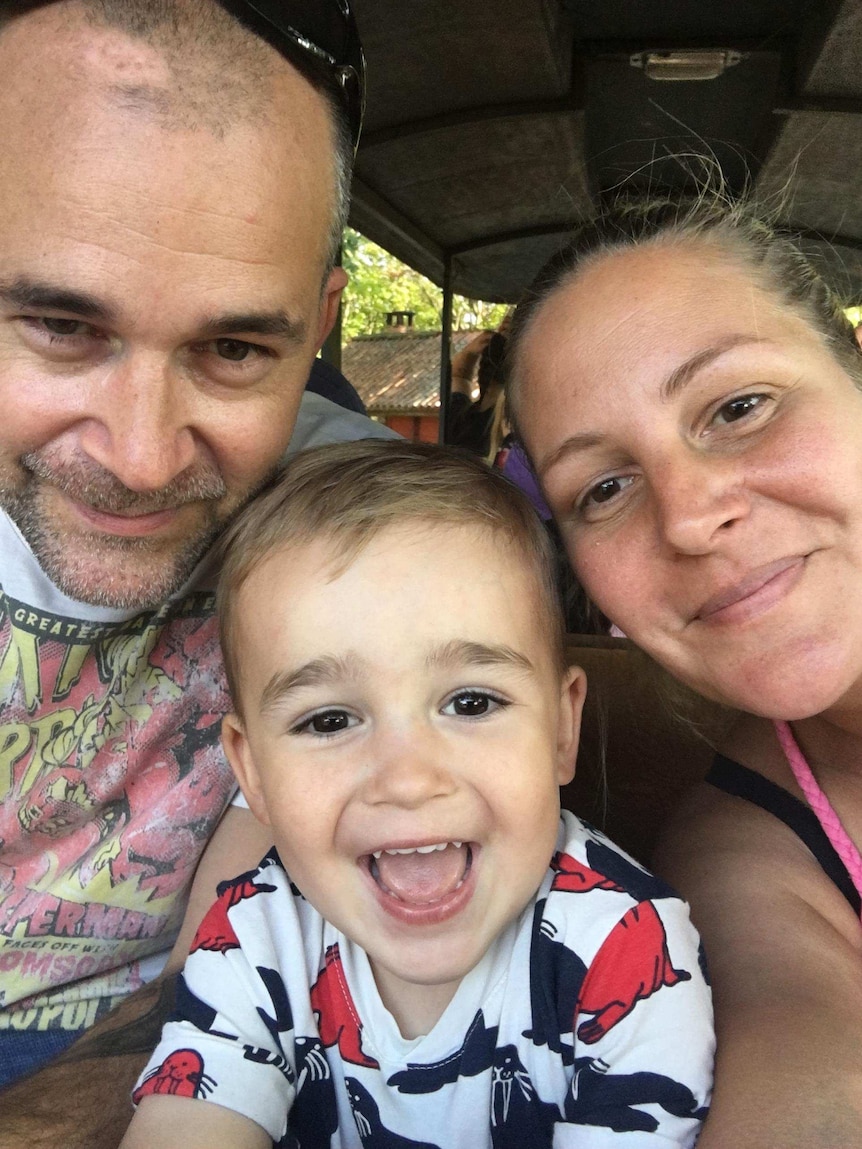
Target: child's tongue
point(423, 878)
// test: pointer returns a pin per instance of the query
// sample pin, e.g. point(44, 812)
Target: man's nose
point(699, 497)
point(137, 425)
point(408, 771)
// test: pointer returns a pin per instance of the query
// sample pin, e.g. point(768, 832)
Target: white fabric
point(589, 1022)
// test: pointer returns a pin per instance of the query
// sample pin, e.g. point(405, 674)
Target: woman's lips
point(753, 594)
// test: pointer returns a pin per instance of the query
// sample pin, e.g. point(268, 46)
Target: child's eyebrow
point(327, 668)
point(463, 653)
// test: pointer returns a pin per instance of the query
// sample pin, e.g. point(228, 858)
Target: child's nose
point(408, 772)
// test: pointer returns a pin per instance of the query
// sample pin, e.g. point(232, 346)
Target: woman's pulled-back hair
point(346, 493)
point(735, 228)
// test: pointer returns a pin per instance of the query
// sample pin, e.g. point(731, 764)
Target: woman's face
point(702, 452)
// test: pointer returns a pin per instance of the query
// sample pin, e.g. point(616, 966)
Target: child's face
point(412, 701)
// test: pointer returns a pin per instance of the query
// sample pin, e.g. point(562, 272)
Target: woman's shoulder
point(744, 869)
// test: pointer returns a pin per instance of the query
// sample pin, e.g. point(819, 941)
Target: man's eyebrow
point(463, 653)
point(683, 374)
point(277, 323)
point(30, 294)
point(317, 672)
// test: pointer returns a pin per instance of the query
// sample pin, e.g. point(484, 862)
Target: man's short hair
point(346, 493)
point(218, 72)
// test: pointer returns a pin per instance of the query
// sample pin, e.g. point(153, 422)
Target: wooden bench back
point(636, 759)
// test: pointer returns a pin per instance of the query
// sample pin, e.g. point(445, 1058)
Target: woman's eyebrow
point(683, 374)
point(580, 441)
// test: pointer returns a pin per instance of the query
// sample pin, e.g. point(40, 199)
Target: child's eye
point(325, 722)
point(473, 704)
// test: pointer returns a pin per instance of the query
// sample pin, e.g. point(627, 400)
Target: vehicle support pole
point(445, 351)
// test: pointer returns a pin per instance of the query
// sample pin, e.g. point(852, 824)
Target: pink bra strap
point(820, 804)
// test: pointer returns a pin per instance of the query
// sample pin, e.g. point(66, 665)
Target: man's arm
point(783, 949)
point(80, 1100)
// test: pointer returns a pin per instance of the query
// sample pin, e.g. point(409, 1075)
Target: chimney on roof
point(400, 321)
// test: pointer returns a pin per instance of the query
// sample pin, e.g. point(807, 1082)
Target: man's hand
point(81, 1099)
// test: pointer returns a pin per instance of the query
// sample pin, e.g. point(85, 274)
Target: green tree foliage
point(379, 283)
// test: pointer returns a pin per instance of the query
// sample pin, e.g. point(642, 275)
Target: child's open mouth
point(422, 878)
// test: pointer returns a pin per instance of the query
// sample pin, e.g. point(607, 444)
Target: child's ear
point(239, 755)
point(573, 691)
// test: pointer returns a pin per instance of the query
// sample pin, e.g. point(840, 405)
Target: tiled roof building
point(398, 372)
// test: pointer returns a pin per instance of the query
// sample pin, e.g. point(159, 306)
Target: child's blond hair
point(346, 493)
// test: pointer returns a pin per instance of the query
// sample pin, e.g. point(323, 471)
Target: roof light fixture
point(686, 64)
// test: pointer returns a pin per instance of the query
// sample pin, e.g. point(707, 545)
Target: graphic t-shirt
point(112, 776)
point(588, 1023)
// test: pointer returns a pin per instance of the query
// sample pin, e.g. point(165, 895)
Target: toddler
point(432, 954)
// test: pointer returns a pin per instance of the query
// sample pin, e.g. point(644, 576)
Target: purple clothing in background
point(518, 471)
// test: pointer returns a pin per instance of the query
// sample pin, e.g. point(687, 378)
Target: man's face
point(406, 730)
point(160, 304)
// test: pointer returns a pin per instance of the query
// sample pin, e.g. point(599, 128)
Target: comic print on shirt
point(113, 778)
point(592, 1012)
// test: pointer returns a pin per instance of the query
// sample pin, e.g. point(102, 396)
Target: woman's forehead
point(659, 279)
point(665, 301)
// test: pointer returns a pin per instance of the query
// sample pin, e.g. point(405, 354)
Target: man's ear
point(329, 302)
point(857, 331)
point(573, 691)
point(239, 755)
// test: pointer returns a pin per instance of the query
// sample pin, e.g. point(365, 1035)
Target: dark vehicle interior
point(493, 127)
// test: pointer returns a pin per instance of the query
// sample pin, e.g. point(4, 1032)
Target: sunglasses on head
point(320, 39)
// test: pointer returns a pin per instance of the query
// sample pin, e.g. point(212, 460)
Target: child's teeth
point(418, 849)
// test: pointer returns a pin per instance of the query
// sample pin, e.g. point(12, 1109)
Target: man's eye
point(472, 704)
point(236, 350)
point(325, 722)
point(736, 409)
point(66, 327)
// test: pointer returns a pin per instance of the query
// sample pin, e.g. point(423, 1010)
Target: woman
point(689, 393)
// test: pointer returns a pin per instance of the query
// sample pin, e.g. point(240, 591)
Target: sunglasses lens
point(319, 36)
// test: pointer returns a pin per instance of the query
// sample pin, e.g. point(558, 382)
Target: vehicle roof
point(493, 125)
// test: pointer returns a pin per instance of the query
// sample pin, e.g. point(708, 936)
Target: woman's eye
point(736, 409)
point(606, 490)
point(325, 722)
point(473, 704)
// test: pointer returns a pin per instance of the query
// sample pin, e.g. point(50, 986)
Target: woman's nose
point(698, 499)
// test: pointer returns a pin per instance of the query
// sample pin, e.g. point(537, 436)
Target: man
point(172, 189)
